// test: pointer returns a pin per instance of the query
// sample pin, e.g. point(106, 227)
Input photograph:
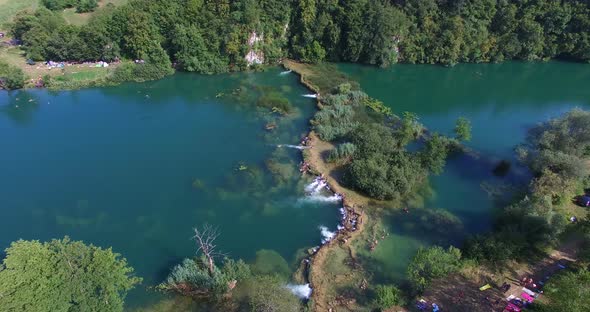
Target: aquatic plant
point(276, 102)
point(198, 184)
point(269, 294)
point(270, 262)
point(463, 129)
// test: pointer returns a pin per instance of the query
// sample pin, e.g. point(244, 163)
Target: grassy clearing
point(8, 8)
point(80, 19)
point(74, 18)
point(70, 77)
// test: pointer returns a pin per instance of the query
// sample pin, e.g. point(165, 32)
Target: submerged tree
point(63, 275)
point(463, 129)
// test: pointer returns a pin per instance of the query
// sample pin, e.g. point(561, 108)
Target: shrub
point(269, 294)
point(435, 155)
point(431, 263)
point(344, 151)
point(192, 278)
point(387, 296)
point(560, 145)
point(11, 77)
point(333, 122)
point(463, 129)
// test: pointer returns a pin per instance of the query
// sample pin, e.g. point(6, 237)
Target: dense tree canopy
point(215, 36)
point(11, 77)
point(63, 275)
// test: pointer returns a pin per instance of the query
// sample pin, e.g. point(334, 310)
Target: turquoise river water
point(137, 166)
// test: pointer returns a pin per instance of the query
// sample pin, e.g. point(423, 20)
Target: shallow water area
point(502, 101)
point(137, 166)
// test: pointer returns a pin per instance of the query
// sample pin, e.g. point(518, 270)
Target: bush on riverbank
point(342, 153)
point(387, 296)
point(11, 77)
point(432, 263)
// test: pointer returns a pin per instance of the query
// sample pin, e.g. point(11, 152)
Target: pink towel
point(526, 297)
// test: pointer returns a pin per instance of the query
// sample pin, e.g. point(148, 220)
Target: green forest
point(209, 37)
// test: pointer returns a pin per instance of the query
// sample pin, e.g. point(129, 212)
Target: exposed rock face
point(255, 55)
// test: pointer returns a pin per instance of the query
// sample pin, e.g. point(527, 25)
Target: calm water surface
point(137, 166)
point(502, 101)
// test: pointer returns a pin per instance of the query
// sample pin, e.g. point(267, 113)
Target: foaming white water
point(283, 73)
point(312, 96)
point(315, 187)
point(301, 291)
point(320, 199)
point(327, 235)
point(299, 147)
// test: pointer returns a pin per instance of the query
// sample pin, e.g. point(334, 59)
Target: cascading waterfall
point(315, 187)
point(301, 291)
point(312, 96)
point(286, 72)
point(327, 235)
point(299, 147)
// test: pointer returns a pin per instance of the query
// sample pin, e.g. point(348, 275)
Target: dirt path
point(461, 294)
point(353, 203)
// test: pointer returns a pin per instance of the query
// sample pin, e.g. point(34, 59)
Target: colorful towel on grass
point(511, 307)
point(529, 292)
point(526, 297)
point(485, 287)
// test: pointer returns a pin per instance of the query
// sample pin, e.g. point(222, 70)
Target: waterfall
point(301, 291)
point(327, 235)
point(312, 96)
point(315, 187)
point(299, 147)
point(283, 73)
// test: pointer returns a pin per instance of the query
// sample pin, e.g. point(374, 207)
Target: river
point(137, 166)
point(502, 101)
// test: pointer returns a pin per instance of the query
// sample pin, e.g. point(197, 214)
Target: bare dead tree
point(205, 239)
